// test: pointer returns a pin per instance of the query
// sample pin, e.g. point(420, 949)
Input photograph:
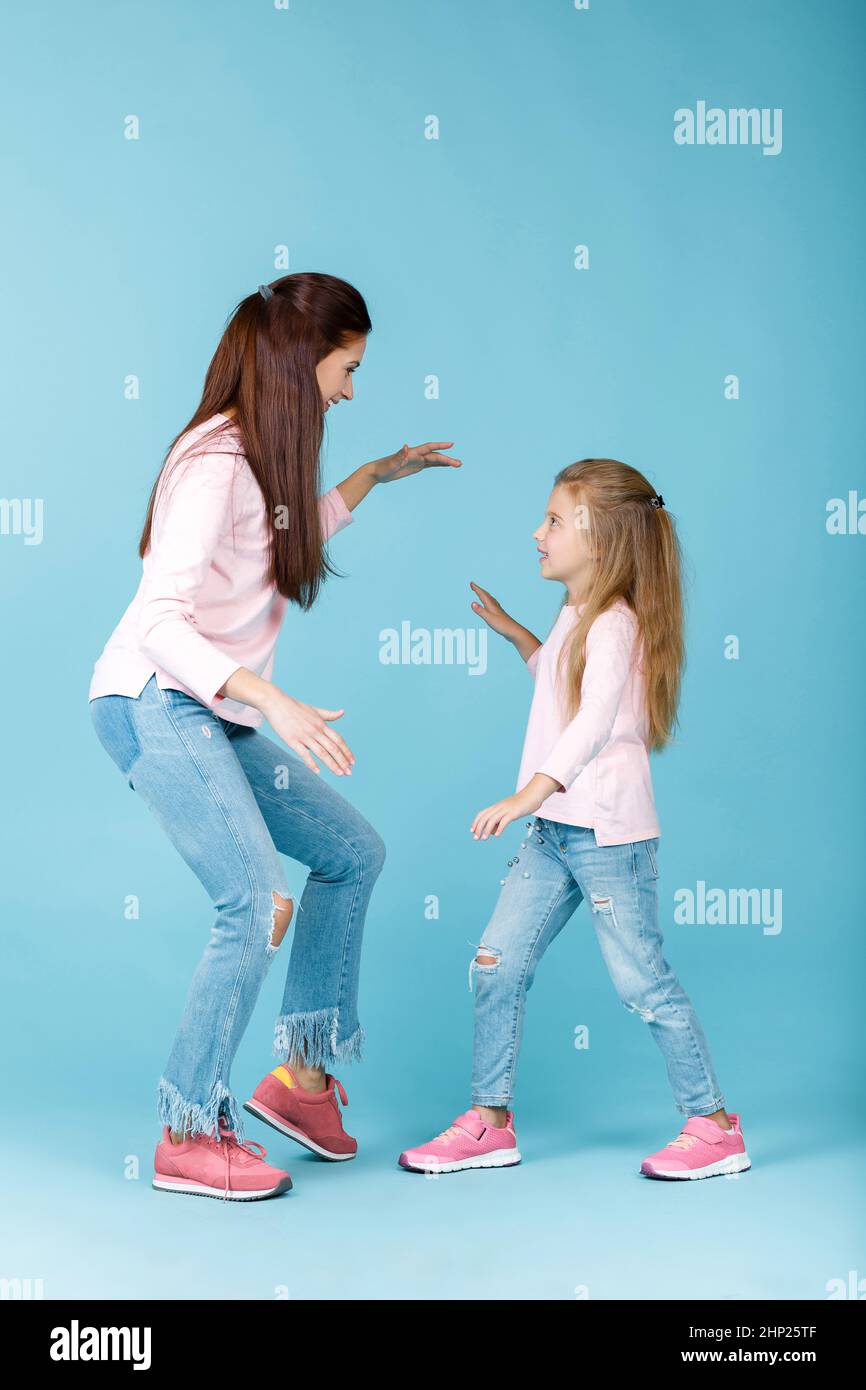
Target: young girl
point(607, 682)
point(235, 530)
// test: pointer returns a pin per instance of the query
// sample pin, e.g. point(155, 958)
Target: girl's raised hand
point(492, 612)
point(413, 459)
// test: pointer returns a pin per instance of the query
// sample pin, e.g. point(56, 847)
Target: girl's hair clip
point(265, 291)
point(657, 501)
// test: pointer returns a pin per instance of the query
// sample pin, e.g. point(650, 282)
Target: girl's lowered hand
point(493, 819)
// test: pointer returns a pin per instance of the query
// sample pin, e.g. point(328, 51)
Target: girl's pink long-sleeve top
point(600, 757)
point(203, 607)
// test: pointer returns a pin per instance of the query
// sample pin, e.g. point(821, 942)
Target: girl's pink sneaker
point(702, 1149)
point(201, 1167)
point(467, 1143)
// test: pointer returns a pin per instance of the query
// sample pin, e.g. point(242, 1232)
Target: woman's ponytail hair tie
point(658, 501)
point(266, 292)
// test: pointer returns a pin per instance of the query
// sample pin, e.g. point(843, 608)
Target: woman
point(235, 529)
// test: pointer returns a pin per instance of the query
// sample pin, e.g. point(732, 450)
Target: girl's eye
point(553, 521)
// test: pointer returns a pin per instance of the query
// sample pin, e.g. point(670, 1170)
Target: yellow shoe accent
point(283, 1075)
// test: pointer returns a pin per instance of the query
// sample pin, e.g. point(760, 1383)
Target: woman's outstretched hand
point(412, 459)
point(305, 729)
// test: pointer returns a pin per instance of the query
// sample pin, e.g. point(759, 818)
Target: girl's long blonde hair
point(639, 560)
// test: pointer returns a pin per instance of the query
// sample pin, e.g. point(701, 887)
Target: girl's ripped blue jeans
point(232, 801)
point(555, 869)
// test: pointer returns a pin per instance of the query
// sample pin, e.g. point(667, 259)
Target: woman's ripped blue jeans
point(232, 801)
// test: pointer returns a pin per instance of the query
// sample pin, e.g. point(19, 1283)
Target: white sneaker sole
point(735, 1163)
point(505, 1159)
point(200, 1189)
point(282, 1128)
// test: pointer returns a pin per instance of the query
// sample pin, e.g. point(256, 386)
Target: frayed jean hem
point(184, 1116)
point(313, 1038)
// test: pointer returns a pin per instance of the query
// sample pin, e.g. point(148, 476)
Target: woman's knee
point(375, 849)
point(368, 850)
point(261, 903)
point(281, 917)
point(348, 853)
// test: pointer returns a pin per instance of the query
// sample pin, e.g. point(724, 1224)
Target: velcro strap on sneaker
point(705, 1129)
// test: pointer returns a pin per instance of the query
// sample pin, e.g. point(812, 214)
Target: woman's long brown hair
point(638, 558)
point(265, 366)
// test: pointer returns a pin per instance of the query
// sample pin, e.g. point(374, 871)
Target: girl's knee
point(488, 960)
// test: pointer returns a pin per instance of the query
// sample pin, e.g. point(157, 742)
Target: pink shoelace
point(228, 1144)
point(683, 1140)
point(448, 1133)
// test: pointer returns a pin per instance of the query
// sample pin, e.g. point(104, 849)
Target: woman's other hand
point(305, 729)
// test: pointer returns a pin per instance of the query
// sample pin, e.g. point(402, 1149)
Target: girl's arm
point(609, 647)
point(527, 644)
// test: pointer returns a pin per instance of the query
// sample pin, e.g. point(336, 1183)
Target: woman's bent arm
point(301, 726)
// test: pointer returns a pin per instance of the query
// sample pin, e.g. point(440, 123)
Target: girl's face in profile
point(334, 372)
point(563, 540)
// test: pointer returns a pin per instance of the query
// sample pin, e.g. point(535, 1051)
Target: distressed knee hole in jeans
point(486, 958)
point(281, 916)
point(604, 905)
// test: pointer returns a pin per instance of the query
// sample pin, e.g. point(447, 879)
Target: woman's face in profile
point(334, 372)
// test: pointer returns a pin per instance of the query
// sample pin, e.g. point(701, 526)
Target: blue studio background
point(307, 127)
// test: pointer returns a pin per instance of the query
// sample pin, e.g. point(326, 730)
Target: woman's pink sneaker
point(312, 1118)
point(201, 1167)
point(467, 1143)
point(702, 1149)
